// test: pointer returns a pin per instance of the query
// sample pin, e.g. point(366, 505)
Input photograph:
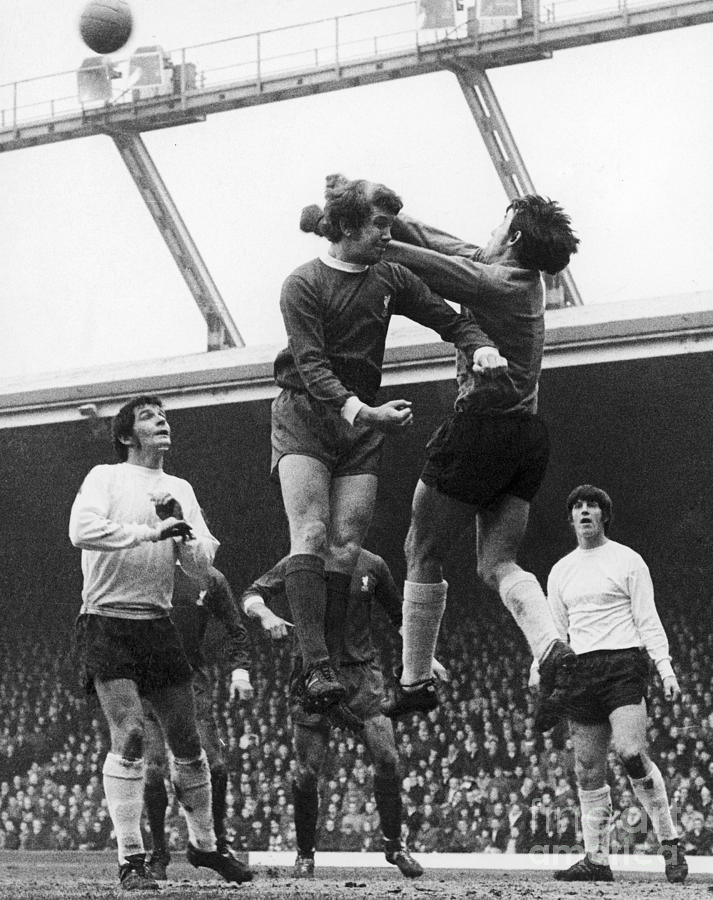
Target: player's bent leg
point(500, 534)
point(379, 739)
point(155, 795)
point(629, 740)
point(435, 520)
point(305, 483)
point(590, 743)
point(310, 750)
point(124, 777)
point(210, 741)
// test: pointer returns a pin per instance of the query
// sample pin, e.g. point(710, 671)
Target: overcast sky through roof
point(619, 132)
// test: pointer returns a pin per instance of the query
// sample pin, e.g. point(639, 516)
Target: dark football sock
point(219, 788)
point(387, 793)
point(156, 802)
point(338, 586)
point(306, 592)
point(306, 812)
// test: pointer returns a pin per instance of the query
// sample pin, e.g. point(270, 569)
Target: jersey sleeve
point(222, 605)
point(302, 313)
point(196, 555)
point(419, 234)
point(90, 527)
point(646, 617)
point(269, 587)
point(417, 301)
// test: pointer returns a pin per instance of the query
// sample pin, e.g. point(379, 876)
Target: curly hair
point(349, 204)
point(122, 425)
point(546, 237)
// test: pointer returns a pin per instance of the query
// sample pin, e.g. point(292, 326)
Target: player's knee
point(313, 536)
point(488, 573)
point(132, 739)
point(635, 764)
point(218, 771)
point(386, 762)
point(590, 774)
point(344, 554)
point(155, 773)
point(306, 779)
point(421, 549)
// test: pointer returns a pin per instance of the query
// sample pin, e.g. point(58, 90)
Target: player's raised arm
point(410, 231)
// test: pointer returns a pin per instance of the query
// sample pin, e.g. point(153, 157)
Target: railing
point(256, 58)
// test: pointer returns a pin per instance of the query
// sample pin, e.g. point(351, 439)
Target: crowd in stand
point(477, 777)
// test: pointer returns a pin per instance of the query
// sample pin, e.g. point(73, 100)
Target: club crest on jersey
point(365, 582)
point(387, 300)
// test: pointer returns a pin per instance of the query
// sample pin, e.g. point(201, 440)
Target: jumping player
point(326, 431)
point(602, 596)
point(359, 671)
point(192, 610)
point(486, 462)
point(132, 522)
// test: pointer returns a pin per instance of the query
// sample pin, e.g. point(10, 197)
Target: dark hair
point(593, 495)
point(351, 203)
point(546, 237)
point(122, 425)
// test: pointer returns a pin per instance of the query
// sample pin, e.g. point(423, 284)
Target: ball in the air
point(105, 25)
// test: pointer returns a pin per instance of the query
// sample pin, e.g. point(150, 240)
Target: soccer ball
point(105, 25)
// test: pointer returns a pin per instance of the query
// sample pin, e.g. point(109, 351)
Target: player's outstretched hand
point(276, 627)
point(167, 507)
point(487, 361)
point(671, 690)
point(388, 417)
point(439, 671)
point(173, 528)
point(240, 686)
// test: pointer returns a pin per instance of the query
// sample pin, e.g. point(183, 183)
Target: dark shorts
point(303, 425)
point(146, 651)
point(480, 459)
point(364, 684)
point(604, 680)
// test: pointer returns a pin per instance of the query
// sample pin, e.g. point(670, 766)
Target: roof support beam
point(222, 330)
point(509, 164)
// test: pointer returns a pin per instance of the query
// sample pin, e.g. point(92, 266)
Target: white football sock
point(423, 609)
point(651, 793)
point(124, 792)
point(191, 780)
point(522, 595)
point(596, 819)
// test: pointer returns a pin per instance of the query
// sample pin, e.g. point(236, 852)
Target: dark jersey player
point(487, 461)
point(192, 611)
point(327, 431)
point(360, 673)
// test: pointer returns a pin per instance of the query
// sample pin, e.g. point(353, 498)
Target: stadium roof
point(583, 335)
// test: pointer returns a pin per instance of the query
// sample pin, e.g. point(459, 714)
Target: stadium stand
point(476, 777)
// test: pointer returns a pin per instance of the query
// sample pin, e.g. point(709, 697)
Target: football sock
point(306, 592)
point(156, 802)
point(596, 818)
point(306, 812)
point(423, 608)
point(124, 792)
point(191, 781)
point(522, 595)
point(651, 793)
point(387, 793)
point(218, 790)
point(338, 587)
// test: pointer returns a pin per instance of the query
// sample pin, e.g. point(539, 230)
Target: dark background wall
point(640, 429)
